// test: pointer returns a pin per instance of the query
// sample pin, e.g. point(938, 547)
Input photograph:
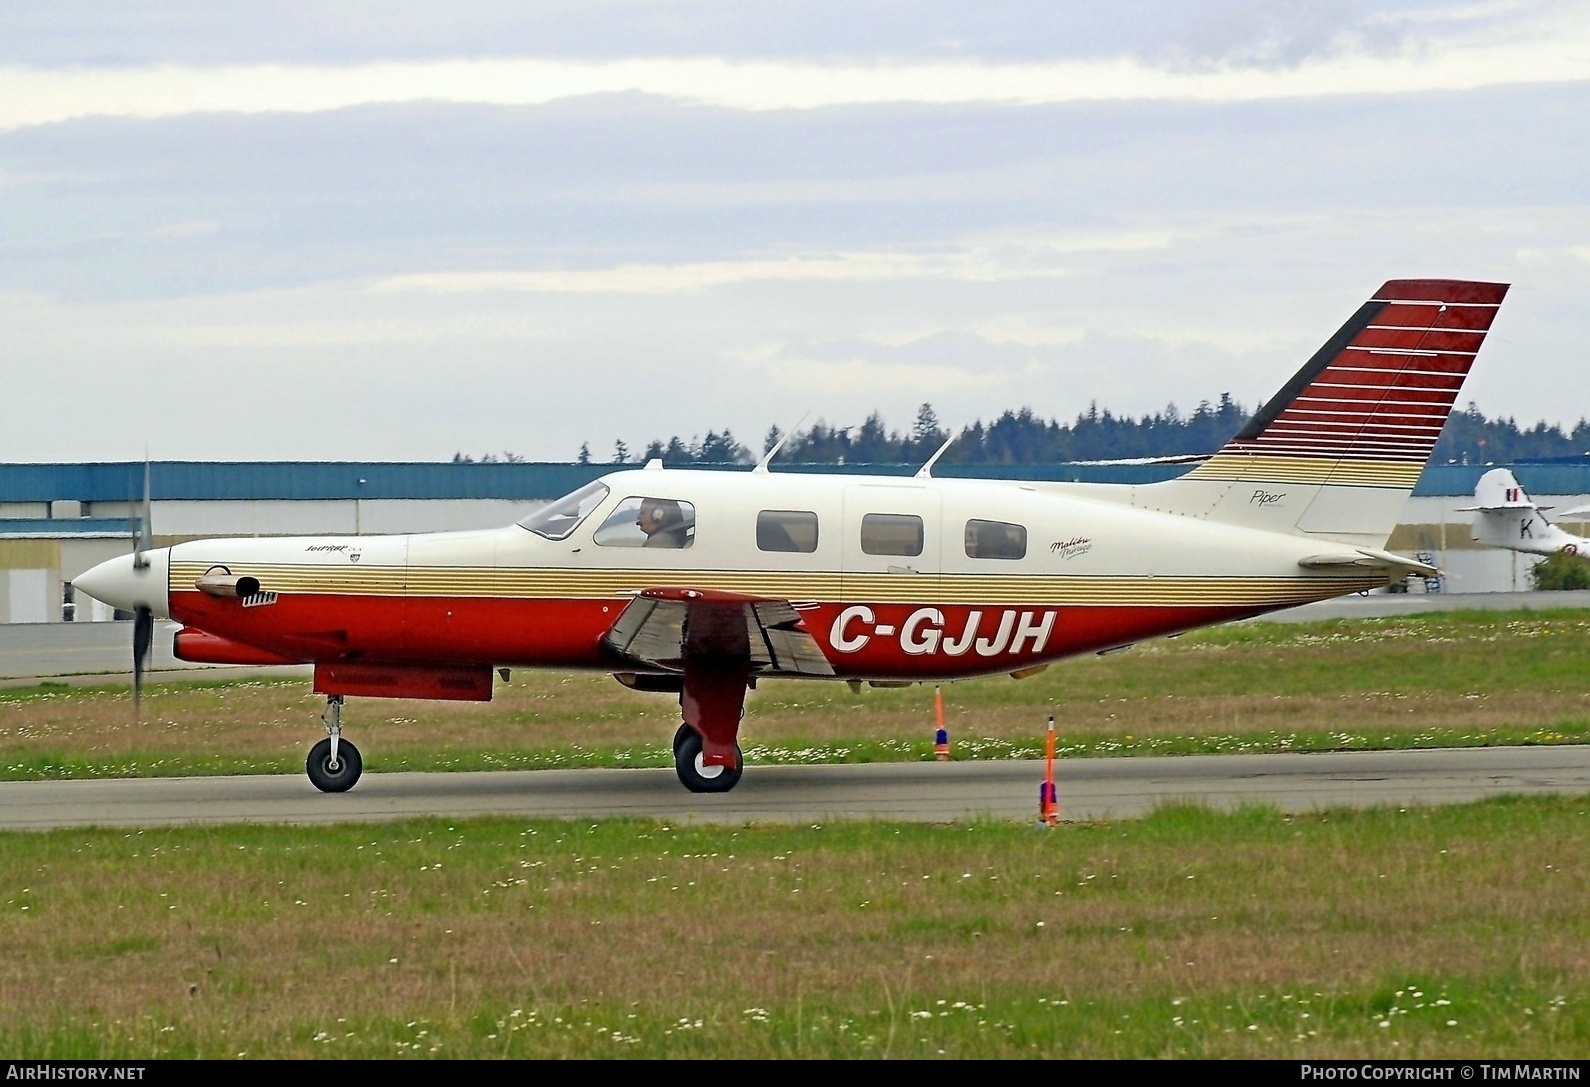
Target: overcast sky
point(396, 231)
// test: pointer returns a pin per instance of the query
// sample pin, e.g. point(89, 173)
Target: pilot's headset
point(663, 513)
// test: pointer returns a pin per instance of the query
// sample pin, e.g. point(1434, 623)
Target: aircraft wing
point(663, 626)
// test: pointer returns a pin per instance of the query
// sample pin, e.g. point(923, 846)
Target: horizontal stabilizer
point(1372, 559)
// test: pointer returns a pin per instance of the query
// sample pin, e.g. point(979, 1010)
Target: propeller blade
point(143, 641)
point(145, 537)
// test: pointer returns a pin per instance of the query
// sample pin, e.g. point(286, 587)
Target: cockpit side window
point(649, 522)
point(556, 520)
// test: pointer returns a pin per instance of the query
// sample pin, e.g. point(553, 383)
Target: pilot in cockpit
point(664, 523)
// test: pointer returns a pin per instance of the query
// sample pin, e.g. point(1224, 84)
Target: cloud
point(337, 31)
point(955, 369)
point(814, 379)
point(1228, 306)
point(193, 228)
point(1034, 258)
point(674, 278)
point(470, 275)
point(1541, 52)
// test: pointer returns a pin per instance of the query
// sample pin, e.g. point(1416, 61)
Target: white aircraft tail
point(1507, 517)
point(1337, 451)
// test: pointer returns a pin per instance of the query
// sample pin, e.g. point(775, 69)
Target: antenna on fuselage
point(761, 465)
point(926, 471)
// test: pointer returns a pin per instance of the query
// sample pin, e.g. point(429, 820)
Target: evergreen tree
point(1022, 437)
point(720, 449)
point(872, 444)
point(926, 434)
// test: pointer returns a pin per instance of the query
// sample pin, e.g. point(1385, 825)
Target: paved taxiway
point(923, 792)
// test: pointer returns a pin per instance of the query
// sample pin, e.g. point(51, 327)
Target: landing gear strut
point(334, 764)
point(706, 748)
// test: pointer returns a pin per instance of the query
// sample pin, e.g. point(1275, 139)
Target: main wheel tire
point(684, 733)
point(704, 779)
point(334, 779)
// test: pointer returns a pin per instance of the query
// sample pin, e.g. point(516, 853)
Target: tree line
point(1022, 437)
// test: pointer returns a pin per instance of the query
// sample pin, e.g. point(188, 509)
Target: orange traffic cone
point(941, 735)
point(1048, 799)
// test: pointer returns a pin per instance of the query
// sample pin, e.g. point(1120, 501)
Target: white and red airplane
point(701, 583)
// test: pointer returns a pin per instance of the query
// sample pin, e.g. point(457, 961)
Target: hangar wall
point(58, 520)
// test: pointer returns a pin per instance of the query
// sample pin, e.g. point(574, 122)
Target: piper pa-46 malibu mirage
point(701, 583)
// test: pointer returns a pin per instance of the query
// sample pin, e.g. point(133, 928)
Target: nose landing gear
point(334, 764)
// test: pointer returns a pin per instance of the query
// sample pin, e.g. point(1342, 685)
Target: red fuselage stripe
point(873, 641)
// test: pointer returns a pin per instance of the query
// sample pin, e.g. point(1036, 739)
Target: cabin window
point(995, 540)
point(556, 520)
point(891, 534)
point(649, 522)
point(786, 530)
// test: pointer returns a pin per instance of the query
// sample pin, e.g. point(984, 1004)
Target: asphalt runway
point(1089, 789)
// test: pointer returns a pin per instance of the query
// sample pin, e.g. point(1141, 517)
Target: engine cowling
point(202, 647)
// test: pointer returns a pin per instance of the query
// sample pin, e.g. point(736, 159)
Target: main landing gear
point(707, 754)
point(694, 773)
point(334, 763)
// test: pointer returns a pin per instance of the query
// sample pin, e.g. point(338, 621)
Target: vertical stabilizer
point(1505, 516)
point(1337, 451)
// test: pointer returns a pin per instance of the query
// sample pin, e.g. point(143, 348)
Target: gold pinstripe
point(1258, 468)
point(489, 582)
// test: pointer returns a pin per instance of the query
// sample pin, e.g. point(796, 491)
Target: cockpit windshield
point(557, 520)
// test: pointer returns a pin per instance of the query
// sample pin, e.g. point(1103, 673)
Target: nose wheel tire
point(698, 777)
point(338, 777)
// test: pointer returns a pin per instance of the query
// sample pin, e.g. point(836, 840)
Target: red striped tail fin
point(1336, 452)
point(1367, 409)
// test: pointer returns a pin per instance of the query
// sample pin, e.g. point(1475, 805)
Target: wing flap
point(663, 626)
point(649, 630)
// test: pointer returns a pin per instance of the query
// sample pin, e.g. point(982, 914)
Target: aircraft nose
point(122, 583)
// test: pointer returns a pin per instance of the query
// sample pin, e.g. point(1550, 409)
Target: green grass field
point(1449, 679)
point(1448, 932)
